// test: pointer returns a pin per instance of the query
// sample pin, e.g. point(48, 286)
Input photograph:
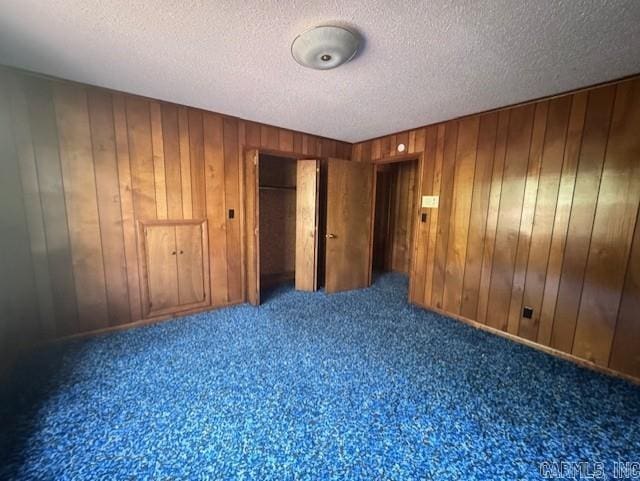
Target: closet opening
point(396, 210)
point(277, 221)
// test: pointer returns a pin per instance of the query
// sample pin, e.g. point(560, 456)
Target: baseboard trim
point(546, 349)
point(135, 324)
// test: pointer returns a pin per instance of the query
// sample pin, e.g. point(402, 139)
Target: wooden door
point(307, 209)
point(350, 196)
point(252, 204)
point(161, 268)
point(191, 287)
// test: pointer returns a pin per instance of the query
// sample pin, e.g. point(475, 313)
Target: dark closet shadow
point(24, 390)
point(271, 293)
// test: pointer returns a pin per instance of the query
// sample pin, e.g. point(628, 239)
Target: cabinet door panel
point(190, 264)
point(162, 270)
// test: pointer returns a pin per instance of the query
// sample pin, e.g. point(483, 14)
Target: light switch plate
point(430, 201)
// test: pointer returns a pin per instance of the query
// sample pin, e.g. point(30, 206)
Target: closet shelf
point(276, 187)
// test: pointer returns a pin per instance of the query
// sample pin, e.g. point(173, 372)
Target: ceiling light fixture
point(325, 47)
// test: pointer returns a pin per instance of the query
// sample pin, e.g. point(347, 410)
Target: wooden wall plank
point(418, 273)
point(141, 158)
point(461, 210)
point(253, 135)
point(376, 149)
point(526, 219)
point(545, 210)
point(126, 205)
point(297, 142)
point(411, 146)
point(44, 131)
point(157, 148)
point(444, 215)
point(109, 208)
point(492, 216)
point(81, 201)
point(285, 140)
point(613, 227)
point(420, 141)
point(433, 218)
point(562, 213)
point(32, 204)
point(185, 163)
point(390, 146)
point(196, 153)
point(172, 164)
point(19, 315)
point(269, 137)
point(478, 215)
point(585, 194)
point(625, 355)
point(233, 201)
point(366, 153)
point(216, 207)
point(511, 199)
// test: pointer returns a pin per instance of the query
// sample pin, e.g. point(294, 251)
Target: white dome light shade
point(324, 48)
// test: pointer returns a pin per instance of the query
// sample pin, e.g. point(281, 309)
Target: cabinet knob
point(330, 236)
point(173, 253)
point(181, 252)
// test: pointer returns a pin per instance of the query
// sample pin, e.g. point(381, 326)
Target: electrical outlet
point(527, 312)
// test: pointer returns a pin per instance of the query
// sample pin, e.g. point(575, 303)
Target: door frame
point(396, 159)
point(250, 224)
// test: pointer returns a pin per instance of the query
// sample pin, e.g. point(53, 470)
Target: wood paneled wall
point(80, 166)
point(538, 207)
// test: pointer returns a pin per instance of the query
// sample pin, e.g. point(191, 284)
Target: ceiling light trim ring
point(325, 47)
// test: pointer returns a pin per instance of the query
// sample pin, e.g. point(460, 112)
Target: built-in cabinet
point(174, 265)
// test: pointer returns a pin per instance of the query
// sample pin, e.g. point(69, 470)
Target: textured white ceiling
point(423, 61)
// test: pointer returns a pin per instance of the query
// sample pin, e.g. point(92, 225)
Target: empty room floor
point(358, 385)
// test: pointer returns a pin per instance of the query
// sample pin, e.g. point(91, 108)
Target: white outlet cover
point(430, 201)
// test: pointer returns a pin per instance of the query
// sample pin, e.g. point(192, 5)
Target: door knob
point(330, 236)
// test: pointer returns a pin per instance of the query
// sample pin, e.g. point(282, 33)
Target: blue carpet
point(358, 385)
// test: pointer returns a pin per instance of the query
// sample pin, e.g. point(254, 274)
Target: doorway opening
point(395, 215)
point(277, 221)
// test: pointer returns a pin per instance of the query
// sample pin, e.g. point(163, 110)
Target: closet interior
point(396, 202)
point(277, 190)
